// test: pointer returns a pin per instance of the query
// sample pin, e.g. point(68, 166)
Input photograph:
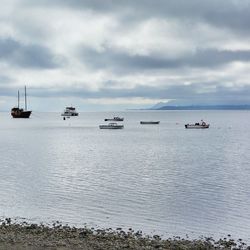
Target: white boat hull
point(69, 114)
point(115, 119)
point(112, 125)
point(192, 126)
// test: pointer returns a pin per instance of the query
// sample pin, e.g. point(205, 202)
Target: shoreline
point(23, 235)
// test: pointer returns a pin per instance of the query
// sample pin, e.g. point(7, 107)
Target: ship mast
point(25, 98)
point(18, 98)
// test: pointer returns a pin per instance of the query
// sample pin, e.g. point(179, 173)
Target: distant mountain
point(203, 107)
point(159, 105)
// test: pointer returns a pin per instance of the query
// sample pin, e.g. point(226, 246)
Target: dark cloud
point(27, 56)
point(226, 15)
point(187, 94)
point(7, 90)
point(182, 94)
point(123, 62)
point(215, 57)
point(5, 80)
point(234, 15)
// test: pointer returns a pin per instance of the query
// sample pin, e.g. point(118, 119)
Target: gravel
point(33, 236)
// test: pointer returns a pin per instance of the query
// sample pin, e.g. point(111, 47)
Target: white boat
point(149, 122)
point(197, 125)
point(115, 119)
point(70, 111)
point(111, 125)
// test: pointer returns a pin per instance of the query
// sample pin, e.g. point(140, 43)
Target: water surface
point(156, 178)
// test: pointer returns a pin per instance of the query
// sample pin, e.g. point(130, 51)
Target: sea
point(160, 179)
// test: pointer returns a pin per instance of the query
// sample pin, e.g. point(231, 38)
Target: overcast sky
point(118, 54)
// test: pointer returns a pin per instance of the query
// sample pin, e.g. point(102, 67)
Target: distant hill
point(203, 107)
point(159, 105)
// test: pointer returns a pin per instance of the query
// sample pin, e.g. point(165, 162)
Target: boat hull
point(22, 114)
point(72, 114)
point(191, 126)
point(149, 122)
point(114, 120)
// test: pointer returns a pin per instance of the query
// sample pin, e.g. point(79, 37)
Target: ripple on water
point(157, 178)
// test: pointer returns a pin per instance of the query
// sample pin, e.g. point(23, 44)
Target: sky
point(123, 54)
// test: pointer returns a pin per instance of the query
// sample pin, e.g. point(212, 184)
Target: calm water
point(158, 178)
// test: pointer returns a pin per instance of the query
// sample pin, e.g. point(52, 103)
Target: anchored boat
point(70, 111)
point(149, 122)
point(18, 112)
point(116, 119)
point(197, 125)
point(112, 125)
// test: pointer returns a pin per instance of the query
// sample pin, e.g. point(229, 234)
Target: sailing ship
point(18, 112)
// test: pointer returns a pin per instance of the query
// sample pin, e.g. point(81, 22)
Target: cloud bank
point(125, 54)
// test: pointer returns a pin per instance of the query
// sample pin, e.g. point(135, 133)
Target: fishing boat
point(116, 119)
point(18, 112)
point(112, 125)
point(70, 111)
point(197, 125)
point(149, 122)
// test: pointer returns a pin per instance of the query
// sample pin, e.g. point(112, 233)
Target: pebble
point(19, 236)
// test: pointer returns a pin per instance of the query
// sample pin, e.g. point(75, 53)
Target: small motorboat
point(116, 119)
point(69, 111)
point(149, 122)
point(112, 125)
point(197, 125)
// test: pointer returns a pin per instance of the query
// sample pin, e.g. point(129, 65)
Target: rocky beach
point(23, 235)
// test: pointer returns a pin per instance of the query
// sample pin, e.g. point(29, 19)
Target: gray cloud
point(123, 62)
point(29, 42)
point(214, 57)
point(27, 56)
point(186, 93)
point(5, 80)
point(234, 15)
point(181, 94)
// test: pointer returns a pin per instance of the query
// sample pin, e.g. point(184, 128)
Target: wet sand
point(33, 236)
